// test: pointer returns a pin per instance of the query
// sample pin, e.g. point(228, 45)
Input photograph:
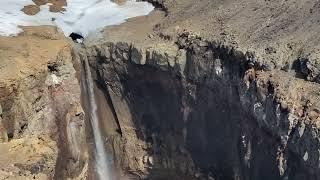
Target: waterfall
point(100, 155)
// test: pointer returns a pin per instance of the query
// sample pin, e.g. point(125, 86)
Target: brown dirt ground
point(29, 52)
point(56, 6)
point(31, 9)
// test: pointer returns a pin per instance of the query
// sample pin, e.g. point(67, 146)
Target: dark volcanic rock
point(207, 111)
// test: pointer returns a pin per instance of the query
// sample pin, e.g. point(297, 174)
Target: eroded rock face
point(184, 106)
point(42, 121)
point(206, 111)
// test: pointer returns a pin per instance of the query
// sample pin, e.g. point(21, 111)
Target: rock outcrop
point(210, 104)
point(196, 90)
point(200, 109)
point(42, 121)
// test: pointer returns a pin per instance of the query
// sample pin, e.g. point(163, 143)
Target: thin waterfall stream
point(102, 162)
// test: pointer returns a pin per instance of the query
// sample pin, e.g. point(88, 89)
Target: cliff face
point(197, 106)
point(42, 121)
point(198, 90)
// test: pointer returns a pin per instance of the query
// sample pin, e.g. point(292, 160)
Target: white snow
point(305, 156)
point(80, 16)
point(55, 79)
point(301, 129)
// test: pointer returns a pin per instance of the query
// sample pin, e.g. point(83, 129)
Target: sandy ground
point(29, 52)
point(18, 154)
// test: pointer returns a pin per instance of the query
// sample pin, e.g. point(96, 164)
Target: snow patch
point(81, 16)
point(305, 156)
point(301, 129)
point(52, 80)
point(55, 79)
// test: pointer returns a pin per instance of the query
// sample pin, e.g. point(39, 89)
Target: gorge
point(209, 90)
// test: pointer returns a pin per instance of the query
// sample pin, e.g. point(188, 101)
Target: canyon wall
point(201, 110)
point(42, 121)
point(213, 89)
point(196, 90)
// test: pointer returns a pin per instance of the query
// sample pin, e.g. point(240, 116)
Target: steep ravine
point(200, 110)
